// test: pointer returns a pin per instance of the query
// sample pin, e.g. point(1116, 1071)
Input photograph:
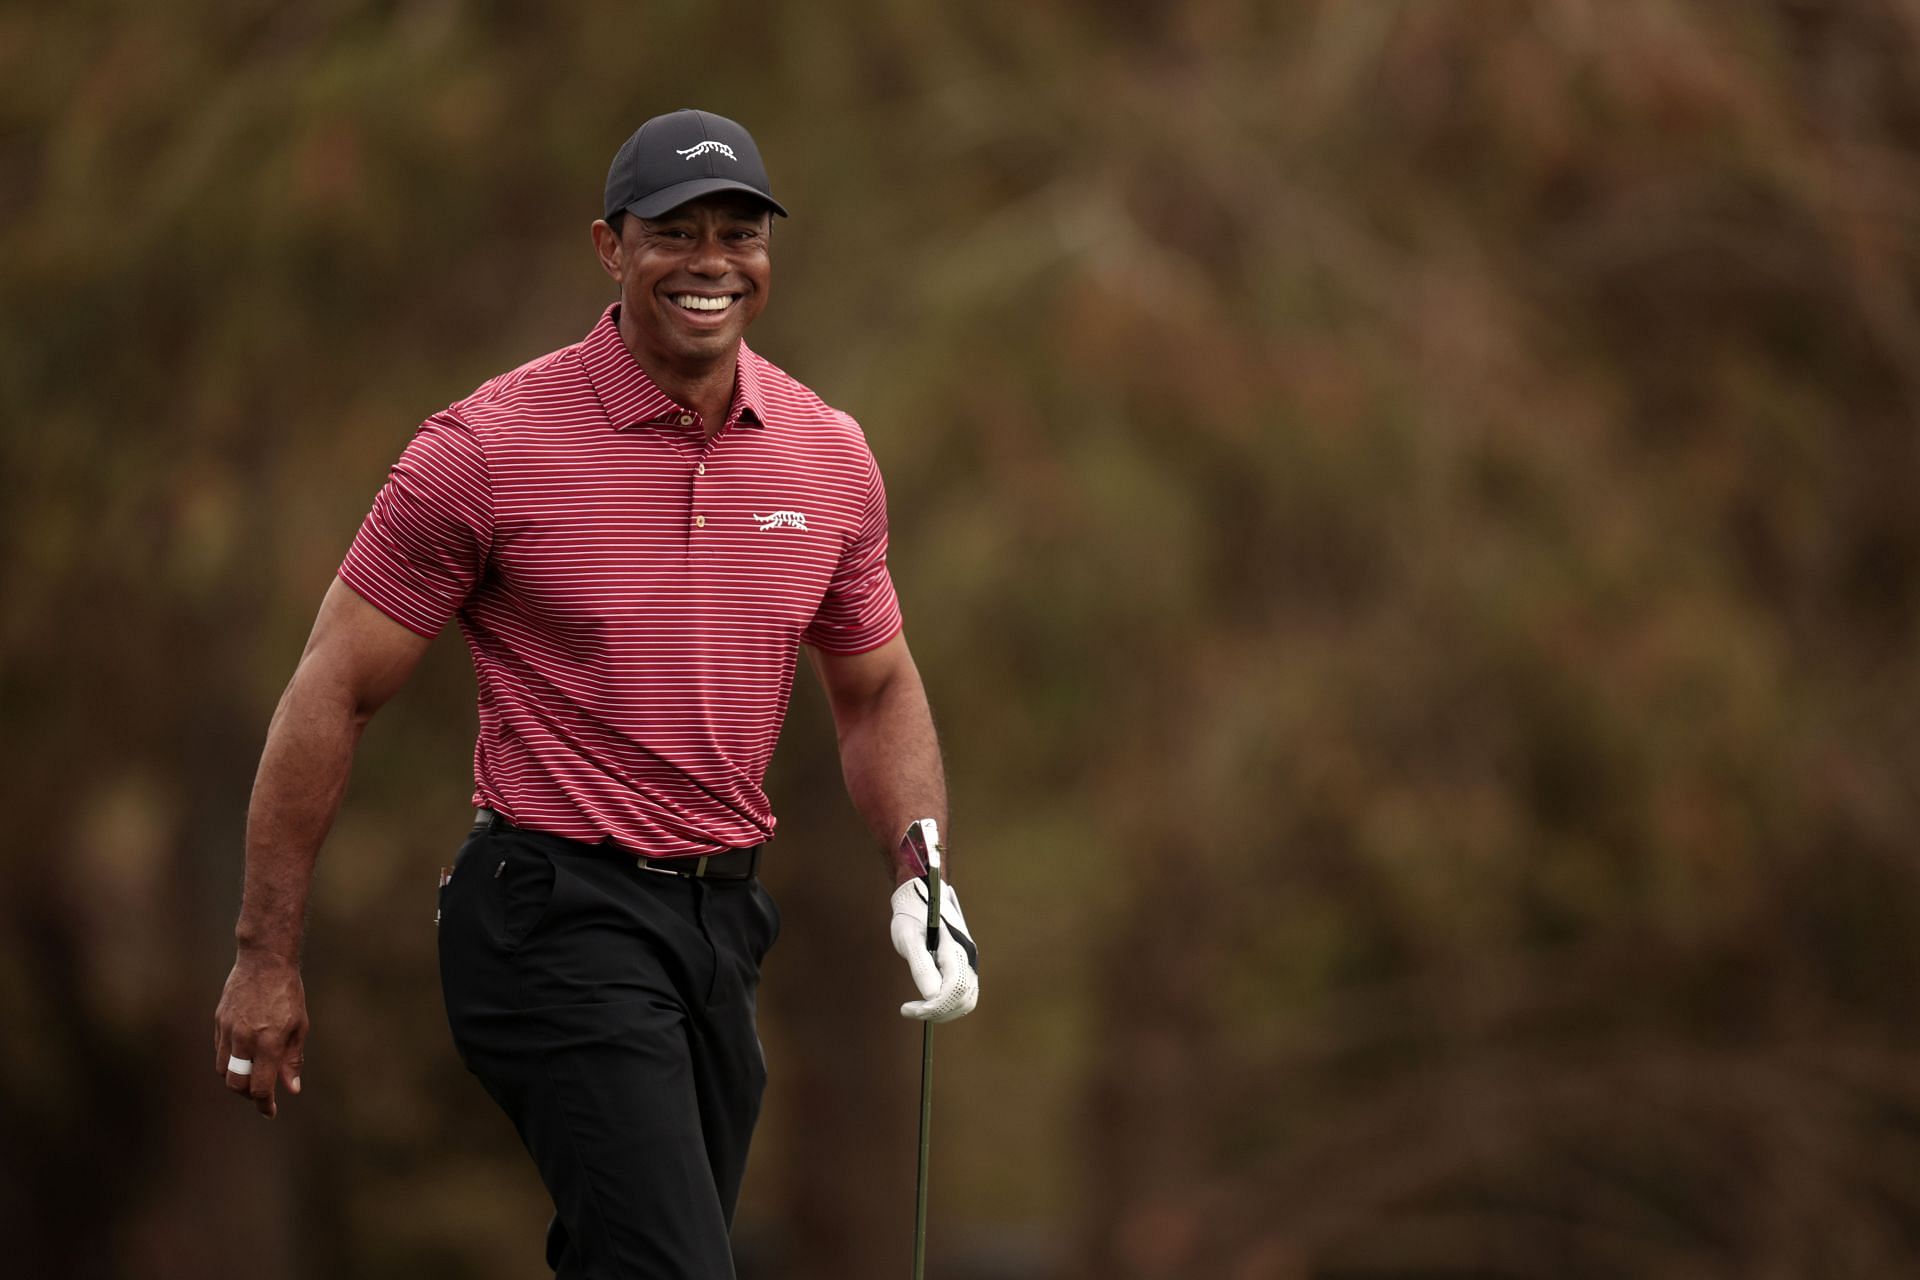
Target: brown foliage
point(1403, 509)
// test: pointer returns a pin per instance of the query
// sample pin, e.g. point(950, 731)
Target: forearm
point(891, 759)
point(296, 793)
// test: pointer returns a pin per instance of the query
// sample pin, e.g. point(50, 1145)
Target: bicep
point(358, 650)
point(854, 681)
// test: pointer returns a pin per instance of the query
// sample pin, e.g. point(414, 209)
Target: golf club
point(924, 836)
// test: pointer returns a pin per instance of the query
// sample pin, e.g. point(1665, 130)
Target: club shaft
point(926, 1116)
point(926, 1087)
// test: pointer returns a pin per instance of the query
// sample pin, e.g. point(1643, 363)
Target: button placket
point(699, 471)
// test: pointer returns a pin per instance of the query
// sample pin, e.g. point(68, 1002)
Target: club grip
point(933, 909)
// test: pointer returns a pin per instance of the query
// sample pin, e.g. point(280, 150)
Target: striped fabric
point(634, 593)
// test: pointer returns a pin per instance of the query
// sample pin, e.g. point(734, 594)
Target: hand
point(262, 1018)
point(949, 977)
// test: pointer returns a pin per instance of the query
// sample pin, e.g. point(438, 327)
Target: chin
point(702, 345)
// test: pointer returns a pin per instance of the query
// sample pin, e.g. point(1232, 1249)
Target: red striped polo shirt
point(634, 592)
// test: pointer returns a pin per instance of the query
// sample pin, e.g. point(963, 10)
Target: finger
point(241, 1048)
point(934, 1002)
point(926, 973)
point(959, 987)
point(951, 958)
point(290, 1066)
point(942, 1008)
point(935, 986)
point(951, 964)
point(267, 1056)
point(963, 1000)
point(955, 1002)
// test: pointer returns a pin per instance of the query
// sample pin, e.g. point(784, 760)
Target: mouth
point(704, 305)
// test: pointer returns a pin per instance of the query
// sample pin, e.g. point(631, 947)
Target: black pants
point(608, 1009)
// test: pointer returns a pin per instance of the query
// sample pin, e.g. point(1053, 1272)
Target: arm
point(892, 763)
point(888, 751)
point(355, 660)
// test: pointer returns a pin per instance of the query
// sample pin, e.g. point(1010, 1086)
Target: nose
point(709, 258)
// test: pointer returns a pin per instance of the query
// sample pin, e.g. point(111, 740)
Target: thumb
point(952, 960)
point(926, 973)
point(290, 1066)
point(940, 980)
point(910, 940)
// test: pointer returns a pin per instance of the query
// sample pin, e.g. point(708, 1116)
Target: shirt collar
point(630, 397)
point(749, 397)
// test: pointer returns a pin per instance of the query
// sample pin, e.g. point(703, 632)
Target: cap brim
point(668, 198)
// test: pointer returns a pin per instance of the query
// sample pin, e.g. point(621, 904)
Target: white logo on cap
point(702, 148)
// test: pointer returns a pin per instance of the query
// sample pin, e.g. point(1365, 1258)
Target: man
point(636, 534)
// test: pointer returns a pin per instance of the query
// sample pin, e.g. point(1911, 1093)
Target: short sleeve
point(860, 611)
point(423, 547)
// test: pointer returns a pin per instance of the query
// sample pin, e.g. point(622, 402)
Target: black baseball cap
point(682, 156)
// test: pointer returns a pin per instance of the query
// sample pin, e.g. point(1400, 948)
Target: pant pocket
point(525, 885)
point(769, 920)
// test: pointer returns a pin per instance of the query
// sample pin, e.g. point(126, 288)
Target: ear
point(607, 247)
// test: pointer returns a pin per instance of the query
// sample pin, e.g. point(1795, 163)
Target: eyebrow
point(757, 218)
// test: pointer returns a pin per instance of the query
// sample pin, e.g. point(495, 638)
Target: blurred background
point(1405, 510)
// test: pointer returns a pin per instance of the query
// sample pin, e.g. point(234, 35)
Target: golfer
point(636, 534)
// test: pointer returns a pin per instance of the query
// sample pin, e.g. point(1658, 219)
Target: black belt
point(734, 864)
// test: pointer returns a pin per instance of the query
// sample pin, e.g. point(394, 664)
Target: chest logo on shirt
point(782, 520)
point(700, 149)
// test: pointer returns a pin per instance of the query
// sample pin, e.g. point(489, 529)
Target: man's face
point(693, 279)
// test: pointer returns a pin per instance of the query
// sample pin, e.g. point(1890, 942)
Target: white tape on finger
point(240, 1066)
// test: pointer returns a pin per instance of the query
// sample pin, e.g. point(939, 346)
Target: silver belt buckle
point(644, 865)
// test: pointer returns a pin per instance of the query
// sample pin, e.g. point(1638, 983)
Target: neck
point(706, 387)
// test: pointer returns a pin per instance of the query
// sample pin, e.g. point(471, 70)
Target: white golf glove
point(948, 978)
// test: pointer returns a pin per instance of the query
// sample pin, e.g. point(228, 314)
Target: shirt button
point(699, 522)
point(700, 469)
point(686, 419)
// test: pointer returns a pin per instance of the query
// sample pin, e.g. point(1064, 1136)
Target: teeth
point(694, 302)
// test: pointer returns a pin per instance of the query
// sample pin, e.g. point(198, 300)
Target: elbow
point(317, 691)
point(876, 700)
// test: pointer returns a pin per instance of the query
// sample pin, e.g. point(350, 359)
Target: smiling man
point(636, 534)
